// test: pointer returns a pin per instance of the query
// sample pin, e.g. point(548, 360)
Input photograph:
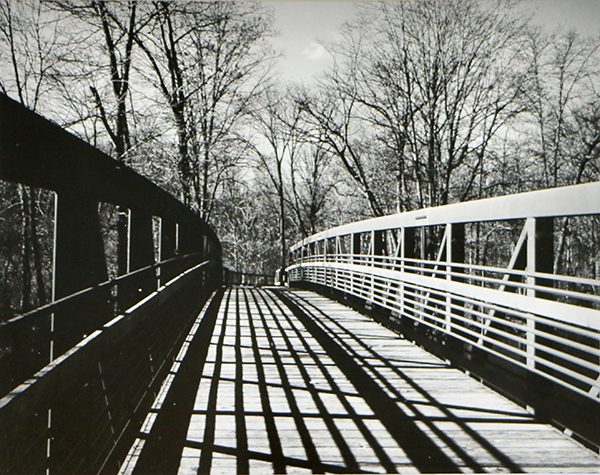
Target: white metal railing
point(524, 312)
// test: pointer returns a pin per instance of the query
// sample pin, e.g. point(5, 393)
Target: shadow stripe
point(164, 445)
point(482, 441)
point(421, 450)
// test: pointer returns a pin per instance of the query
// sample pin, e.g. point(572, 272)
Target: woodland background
point(425, 103)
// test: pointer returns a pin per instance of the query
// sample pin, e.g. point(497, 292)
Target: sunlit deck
point(272, 381)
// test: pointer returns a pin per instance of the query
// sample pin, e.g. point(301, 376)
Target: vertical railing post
point(140, 243)
point(448, 276)
point(140, 253)
point(299, 271)
point(408, 252)
point(540, 258)
point(455, 254)
point(306, 257)
point(190, 239)
point(337, 260)
point(324, 250)
point(530, 282)
point(544, 248)
point(378, 246)
point(79, 260)
point(422, 247)
point(354, 251)
point(167, 247)
point(402, 253)
point(372, 262)
point(79, 263)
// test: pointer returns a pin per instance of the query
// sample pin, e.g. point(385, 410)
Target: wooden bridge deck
point(291, 382)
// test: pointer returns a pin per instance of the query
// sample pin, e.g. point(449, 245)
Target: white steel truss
point(523, 312)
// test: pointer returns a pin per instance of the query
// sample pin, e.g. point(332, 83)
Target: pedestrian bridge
point(279, 381)
point(390, 348)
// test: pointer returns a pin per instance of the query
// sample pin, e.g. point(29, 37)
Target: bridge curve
point(285, 381)
point(517, 324)
point(114, 375)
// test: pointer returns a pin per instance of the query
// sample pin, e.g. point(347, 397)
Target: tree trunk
point(25, 250)
point(282, 224)
point(37, 251)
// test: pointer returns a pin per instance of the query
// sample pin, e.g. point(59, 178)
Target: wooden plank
point(279, 392)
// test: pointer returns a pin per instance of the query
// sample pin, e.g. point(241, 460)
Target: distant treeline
point(424, 103)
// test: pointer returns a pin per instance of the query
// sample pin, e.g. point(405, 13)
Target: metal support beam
point(378, 243)
point(79, 260)
point(140, 243)
point(79, 263)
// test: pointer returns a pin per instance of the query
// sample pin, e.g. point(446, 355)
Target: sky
point(302, 25)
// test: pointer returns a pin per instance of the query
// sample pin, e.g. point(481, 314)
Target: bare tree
point(119, 49)
point(250, 241)
point(210, 61)
point(276, 143)
point(434, 82)
point(313, 179)
point(31, 39)
point(331, 121)
point(563, 76)
point(562, 119)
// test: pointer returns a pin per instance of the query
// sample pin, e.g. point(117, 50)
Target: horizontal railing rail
point(483, 276)
point(30, 341)
point(82, 411)
point(575, 200)
point(416, 267)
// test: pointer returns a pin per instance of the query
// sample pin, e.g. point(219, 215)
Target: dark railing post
point(140, 253)
point(190, 240)
point(167, 248)
point(168, 239)
point(540, 258)
point(79, 263)
point(140, 244)
point(79, 260)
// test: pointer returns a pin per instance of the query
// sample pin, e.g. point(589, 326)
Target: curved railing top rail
point(39, 153)
point(575, 200)
point(518, 295)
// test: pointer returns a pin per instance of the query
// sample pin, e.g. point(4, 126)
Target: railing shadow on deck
point(530, 332)
point(240, 398)
point(419, 447)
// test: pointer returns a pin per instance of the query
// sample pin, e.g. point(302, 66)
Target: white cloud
point(315, 52)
